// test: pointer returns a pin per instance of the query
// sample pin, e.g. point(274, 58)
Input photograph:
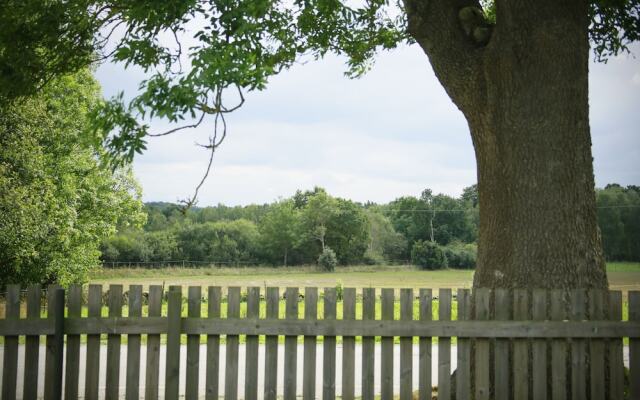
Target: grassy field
point(622, 276)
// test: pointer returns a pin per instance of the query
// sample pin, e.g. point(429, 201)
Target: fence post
point(55, 346)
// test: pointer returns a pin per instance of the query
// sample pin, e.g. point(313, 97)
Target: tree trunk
point(522, 85)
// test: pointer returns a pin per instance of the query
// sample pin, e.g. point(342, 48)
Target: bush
point(428, 255)
point(460, 255)
point(328, 259)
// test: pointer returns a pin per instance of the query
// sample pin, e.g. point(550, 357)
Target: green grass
point(623, 266)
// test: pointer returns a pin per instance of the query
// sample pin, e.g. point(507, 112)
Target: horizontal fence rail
point(519, 344)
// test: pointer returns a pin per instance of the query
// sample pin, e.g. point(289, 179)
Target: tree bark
point(524, 93)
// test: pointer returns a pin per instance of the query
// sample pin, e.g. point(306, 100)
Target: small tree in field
point(327, 259)
point(428, 255)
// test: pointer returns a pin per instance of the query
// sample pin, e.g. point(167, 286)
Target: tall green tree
point(58, 199)
point(279, 230)
point(518, 71)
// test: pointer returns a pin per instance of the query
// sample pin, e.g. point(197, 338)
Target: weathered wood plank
point(153, 345)
point(132, 391)
point(172, 363)
point(213, 346)
point(193, 346)
point(539, 347)
point(204, 326)
point(55, 345)
point(444, 347)
point(290, 346)
point(596, 347)
point(578, 348)
point(113, 346)
point(231, 365)
point(425, 343)
point(94, 303)
point(271, 347)
point(32, 345)
point(72, 367)
point(406, 347)
point(329, 348)
point(482, 389)
point(309, 367)
point(463, 371)
point(10, 363)
point(251, 354)
point(558, 349)
point(348, 346)
point(520, 347)
point(616, 366)
point(634, 346)
point(386, 353)
point(502, 372)
point(368, 344)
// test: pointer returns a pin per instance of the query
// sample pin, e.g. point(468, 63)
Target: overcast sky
point(391, 133)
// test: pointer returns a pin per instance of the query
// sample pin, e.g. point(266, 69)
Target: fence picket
point(634, 346)
point(53, 363)
point(578, 348)
point(193, 346)
point(348, 346)
point(213, 346)
point(616, 366)
point(539, 347)
point(271, 347)
point(231, 364)
point(94, 303)
point(502, 371)
point(596, 347)
point(290, 346)
point(444, 347)
point(558, 349)
point(425, 343)
point(329, 348)
point(32, 345)
point(72, 367)
point(463, 371)
point(251, 355)
point(520, 347)
point(172, 363)
point(133, 346)
point(482, 389)
point(386, 355)
point(368, 344)
point(406, 346)
point(309, 367)
point(113, 346)
point(10, 364)
point(153, 345)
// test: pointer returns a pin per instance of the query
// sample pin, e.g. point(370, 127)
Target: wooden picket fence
point(523, 344)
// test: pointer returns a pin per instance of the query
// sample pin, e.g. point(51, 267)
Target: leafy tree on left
point(58, 198)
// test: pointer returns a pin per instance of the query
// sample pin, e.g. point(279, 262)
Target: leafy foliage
point(327, 259)
point(58, 200)
point(232, 45)
point(428, 255)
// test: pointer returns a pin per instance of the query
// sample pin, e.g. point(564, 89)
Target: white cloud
point(392, 133)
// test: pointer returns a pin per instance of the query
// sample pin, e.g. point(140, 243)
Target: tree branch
point(454, 38)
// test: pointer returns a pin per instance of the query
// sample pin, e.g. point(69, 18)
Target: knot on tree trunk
point(475, 25)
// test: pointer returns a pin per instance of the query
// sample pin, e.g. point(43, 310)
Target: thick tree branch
point(453, 34)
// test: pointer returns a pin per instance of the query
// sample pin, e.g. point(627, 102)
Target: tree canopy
point(59, 201)
point(199, 55)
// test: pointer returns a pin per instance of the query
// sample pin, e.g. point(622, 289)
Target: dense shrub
point(428, 255)
point(461, 255)
point(328, 259)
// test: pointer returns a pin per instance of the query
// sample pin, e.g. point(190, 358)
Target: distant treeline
point(433, 231)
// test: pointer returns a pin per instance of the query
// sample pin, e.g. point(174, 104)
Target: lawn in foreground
point(622, 276)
